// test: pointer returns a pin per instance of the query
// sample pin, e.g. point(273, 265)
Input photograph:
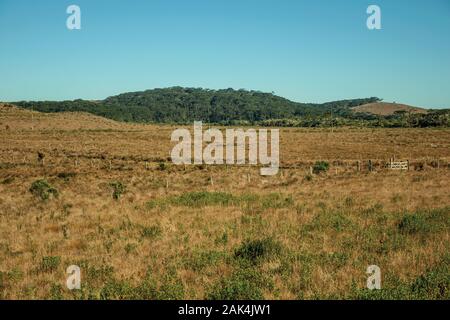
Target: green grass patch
point(425, 221)
point(206, 199)
point(243, 284)
point(200, 260)
point(50, 264)
point(151, 232)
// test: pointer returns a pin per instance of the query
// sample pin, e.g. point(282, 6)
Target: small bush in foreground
point(118, 189)
point(256, 250)
point(42, 189)
point(320, 166)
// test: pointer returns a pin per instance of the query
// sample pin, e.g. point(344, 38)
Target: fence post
point(370, 166)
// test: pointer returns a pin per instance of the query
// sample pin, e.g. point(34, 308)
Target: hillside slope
point(16, 118)
point(185, 105)
point(386, 109)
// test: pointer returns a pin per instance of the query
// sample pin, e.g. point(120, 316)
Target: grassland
point(79, 189)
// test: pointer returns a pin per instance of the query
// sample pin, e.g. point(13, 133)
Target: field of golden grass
point(140, 227)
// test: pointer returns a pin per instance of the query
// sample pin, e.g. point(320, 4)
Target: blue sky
point(307, 51)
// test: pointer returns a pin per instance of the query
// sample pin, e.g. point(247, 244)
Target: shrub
point(412, 223)
point(42, 189)
point(118, 189)
point(256, 250)
point(162, 166)
point(320, 166)
point(424, 221)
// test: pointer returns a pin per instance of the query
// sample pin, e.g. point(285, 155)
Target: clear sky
point(307, 51)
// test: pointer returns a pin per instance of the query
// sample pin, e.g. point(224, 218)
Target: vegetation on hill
point(235, 107)
point(184, 105)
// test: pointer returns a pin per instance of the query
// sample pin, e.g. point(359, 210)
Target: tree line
point(233, 107)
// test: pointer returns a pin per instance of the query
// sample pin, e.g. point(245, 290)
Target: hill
point(178, 105)
point(386, 109)
point(16, 118)
point(185, 105)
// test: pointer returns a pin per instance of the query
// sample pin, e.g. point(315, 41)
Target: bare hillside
point(385, 108)
point(18, 118)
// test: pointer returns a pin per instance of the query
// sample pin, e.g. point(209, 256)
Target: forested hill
point(184, 105)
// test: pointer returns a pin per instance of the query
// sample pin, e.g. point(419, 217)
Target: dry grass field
point(141, 227)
